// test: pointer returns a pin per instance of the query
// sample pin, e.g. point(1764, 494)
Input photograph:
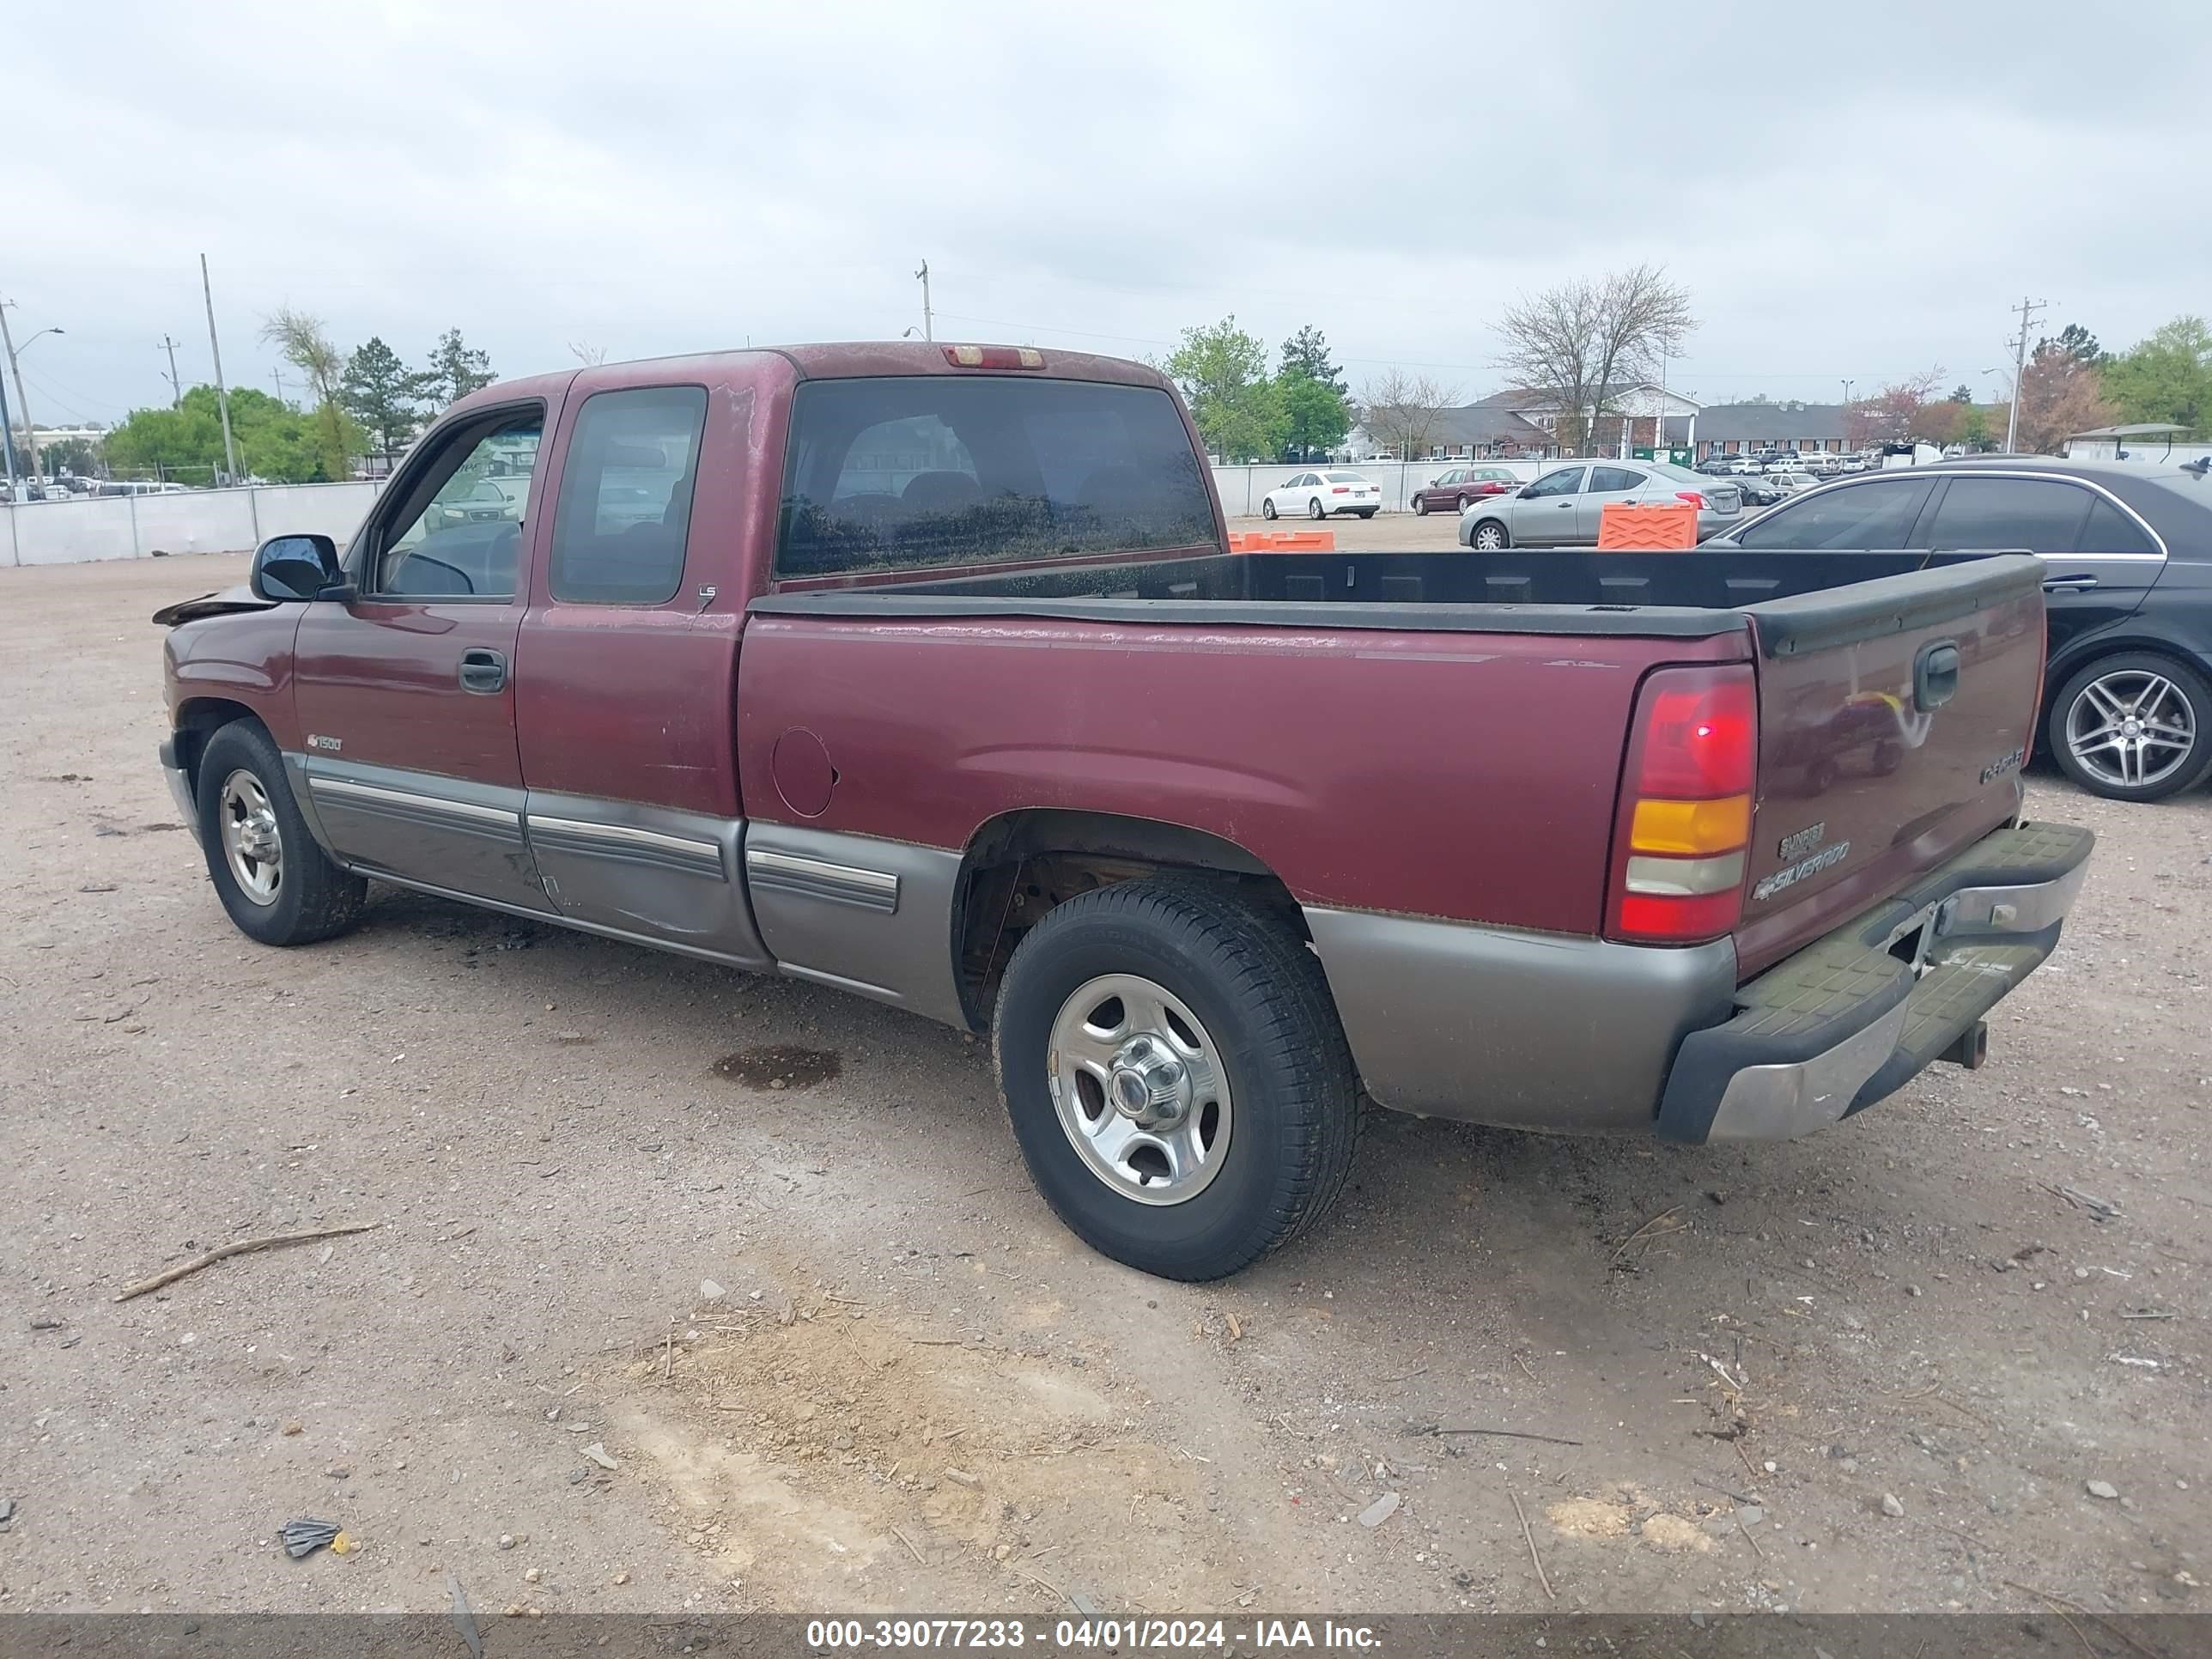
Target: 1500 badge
point(1806, 867)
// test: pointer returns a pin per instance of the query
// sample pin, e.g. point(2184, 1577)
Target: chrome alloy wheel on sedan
point(253, 845)
point(2131, 728)
point(1140, 1090)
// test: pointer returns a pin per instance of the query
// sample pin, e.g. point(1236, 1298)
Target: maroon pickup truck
point(925, 672)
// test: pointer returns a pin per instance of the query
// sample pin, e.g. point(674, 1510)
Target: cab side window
point(460, 517)
point(1564, 481)
point(625, 514)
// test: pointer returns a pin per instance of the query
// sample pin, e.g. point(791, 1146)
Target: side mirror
point(1527, 492)
point(295, 568)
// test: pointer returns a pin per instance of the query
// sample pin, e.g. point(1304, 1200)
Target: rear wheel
point(1420, 506)
point(1464, 502)
point(1316, 510)
point(279, 885)
point(2133, 726)
point(1489, 536)
point(1175, 1075)
point(1366, 512)
point(1267, 506)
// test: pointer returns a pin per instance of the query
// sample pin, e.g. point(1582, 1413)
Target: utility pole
point(2027, 308)
point(928, 328)
point(22, 399)
point(176, 385)
point(221, 393)
point(7, 434)
point(277, 376)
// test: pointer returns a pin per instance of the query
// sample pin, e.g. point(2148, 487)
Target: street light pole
point(22, 401)
point(928, 327)
point(8, 436)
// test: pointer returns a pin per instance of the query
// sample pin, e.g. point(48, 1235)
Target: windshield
point(938, 470)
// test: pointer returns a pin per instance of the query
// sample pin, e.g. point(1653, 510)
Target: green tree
point(2165, 377)
point(1974, 429)
point(1316, 416)
point(2078, 343)
point(274, 440)
point(382, 393)
point(75, 456)
point(1223, 373)
point(303, 342)
point(1962, 393)
point(1306, 353)
point(455, 370)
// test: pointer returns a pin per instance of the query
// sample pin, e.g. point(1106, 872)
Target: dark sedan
point(1453, 490)
point(2128, 692)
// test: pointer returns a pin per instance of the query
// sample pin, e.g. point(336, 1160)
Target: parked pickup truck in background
point(923, 672)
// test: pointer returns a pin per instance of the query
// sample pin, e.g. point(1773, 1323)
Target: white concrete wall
point(192, 522)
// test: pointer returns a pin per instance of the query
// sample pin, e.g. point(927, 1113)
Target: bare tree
point(303, 342)
point(587, 354)
point(1893, 414)
point(1576, 343)
point(1403, 409)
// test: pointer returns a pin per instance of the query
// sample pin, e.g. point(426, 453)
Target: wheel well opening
point(199, 719)
point(1021, 866)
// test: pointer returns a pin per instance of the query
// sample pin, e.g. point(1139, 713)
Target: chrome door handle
point(2069, 584)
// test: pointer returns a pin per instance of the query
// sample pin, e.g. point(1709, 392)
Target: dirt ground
point(769, 1253)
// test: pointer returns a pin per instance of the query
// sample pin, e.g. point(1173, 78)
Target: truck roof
point(831, 360)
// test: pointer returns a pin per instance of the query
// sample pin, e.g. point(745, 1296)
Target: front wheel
point(1489, 536)
point(1266, 509)
point(1175, 1076)
point(1316, 510)
point(2132, 726)
point(279, 887)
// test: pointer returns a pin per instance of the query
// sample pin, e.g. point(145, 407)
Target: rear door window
point(625, 507)
point(2035, 515)
point(1872, 515)
point(1615, 480)
point(2111, 531)
point(935, 469)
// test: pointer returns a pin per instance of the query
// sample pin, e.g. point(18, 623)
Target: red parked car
point(925, 672)
point(1453, 490)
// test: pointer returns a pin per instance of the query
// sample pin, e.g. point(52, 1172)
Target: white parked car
point(1317, 495)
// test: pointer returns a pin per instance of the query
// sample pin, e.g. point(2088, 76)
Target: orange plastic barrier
point(1282, 541)
point(1623, 528)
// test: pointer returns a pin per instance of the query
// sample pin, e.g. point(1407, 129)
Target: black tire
point(1505, 536)
point(1316, 510)
point(1463, 503)
point(314, 899)
point(1259, 995)
point(2194, 690)
point(1366, 512)
point(1266, 508)
point(1420, 505)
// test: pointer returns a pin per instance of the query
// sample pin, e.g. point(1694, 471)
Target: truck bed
point(1465, 779)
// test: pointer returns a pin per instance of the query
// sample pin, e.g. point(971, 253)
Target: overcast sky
point(1845, 191)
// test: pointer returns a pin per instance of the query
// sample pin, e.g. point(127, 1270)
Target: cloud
point(1853, 194)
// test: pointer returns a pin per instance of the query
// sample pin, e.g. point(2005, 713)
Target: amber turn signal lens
point(1691, 828)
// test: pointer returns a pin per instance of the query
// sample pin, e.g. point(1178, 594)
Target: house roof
point(1486, 422)
point(1769, 423)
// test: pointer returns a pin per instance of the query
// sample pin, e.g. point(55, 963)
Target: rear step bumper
point(1853, 1016)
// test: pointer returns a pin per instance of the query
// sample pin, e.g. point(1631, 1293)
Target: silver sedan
point(1562, 507)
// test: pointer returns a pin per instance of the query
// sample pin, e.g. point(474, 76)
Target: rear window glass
point(922, 470)
point(1344, 477)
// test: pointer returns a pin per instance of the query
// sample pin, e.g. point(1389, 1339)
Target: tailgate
point(1894, 716)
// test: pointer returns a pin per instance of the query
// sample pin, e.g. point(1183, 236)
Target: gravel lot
point(1887, 1368)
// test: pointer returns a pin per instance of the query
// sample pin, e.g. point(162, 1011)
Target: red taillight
point(1341, 490)
point(1684, 823)
point(972, 356)
point(1694, 498)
